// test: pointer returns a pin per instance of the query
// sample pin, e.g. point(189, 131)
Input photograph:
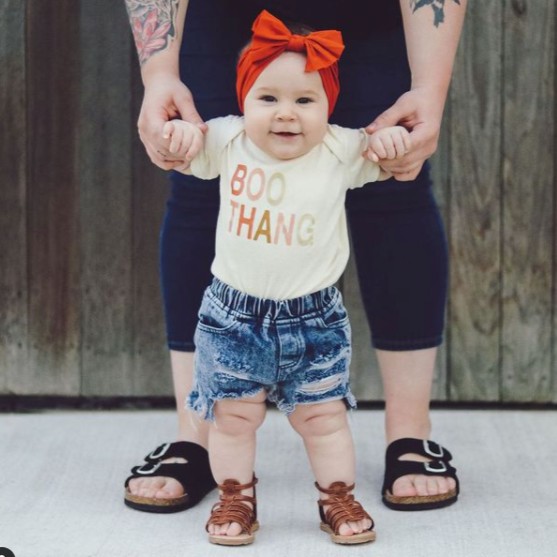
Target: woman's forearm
point(157, 27)
point(432, 34)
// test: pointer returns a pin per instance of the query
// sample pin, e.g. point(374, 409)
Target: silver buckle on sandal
point(428, 466)
point(432, 453)
point(162, 451)
point(154, 468)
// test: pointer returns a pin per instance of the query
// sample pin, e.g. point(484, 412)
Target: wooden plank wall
point(81, 206)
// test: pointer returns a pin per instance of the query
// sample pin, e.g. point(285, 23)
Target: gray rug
point(62, 474)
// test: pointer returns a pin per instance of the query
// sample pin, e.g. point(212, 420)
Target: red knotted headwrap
point(271, 38)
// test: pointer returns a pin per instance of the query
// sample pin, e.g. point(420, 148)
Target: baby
point(272, 324)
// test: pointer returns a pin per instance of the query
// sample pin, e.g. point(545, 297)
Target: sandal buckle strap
point(433, 449)
point(159, 452)
point(436, 467)
point(149, 471)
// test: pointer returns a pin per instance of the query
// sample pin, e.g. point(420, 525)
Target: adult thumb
point(189, 113)
point(390, 117)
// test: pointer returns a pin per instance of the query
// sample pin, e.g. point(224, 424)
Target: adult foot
point(158, 487)
point(174, 477)
point(418, 485)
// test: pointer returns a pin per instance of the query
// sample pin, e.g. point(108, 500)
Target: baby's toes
point(356, 527)
point(234, 529)
point(345, 529)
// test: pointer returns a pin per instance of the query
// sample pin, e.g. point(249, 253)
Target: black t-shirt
point(353, 17)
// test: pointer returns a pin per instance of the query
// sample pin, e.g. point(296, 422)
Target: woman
point(396, 69)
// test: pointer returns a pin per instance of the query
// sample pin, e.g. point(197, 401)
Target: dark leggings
point(397, 233)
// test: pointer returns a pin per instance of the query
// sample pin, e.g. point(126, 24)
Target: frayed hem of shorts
point(179, 346)
point(204, 406)
point(406, 345)
point(348, 398)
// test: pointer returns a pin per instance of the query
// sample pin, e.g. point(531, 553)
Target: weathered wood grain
point(440, 174)
point(52, 199)
point(13, 221)
point(81, 208)
point(475, 215)
point(105, 199)
point(528, 199)
point(151, 365)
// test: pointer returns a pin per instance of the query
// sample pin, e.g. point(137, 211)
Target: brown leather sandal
point(231, 508)
point(342, 508)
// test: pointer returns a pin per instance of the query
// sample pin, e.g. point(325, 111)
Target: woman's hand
point(420, 111)
point(165, 99)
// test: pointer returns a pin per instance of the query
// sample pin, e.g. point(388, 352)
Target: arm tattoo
point(438, 7)
point(153, 25)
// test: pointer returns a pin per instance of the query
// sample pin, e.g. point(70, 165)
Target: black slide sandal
point(438, 466)
point(194, 475)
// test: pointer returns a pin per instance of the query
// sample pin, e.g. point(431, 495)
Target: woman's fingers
point(159, 159)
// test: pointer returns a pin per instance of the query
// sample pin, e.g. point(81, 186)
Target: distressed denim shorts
point(297, 350)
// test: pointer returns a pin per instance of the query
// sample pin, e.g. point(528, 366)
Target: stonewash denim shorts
point(297, 350)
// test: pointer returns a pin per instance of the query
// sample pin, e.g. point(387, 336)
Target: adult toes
point(134, 485)
point(163, 493)
point(442, 485)
point(404, 487)
point(420, 483)
point(151, 486)
point(452, 483)
point(432, 487)
point(173, 487)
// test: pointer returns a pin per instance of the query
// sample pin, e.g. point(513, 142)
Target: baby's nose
point(286, 113)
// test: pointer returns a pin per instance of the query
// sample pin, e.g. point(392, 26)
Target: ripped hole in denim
point(322, 386)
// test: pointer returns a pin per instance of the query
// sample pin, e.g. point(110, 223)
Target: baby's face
point(286, 109)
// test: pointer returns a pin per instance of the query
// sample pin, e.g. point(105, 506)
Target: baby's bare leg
point(232, 446)
point(330, 448)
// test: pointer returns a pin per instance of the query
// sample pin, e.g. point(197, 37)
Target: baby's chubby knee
point(240, 416)
point(317, 420)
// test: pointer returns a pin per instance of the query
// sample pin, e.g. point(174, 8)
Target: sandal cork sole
point(363, 537)
point(420, 502)
point(242, 539)
point(150, 504)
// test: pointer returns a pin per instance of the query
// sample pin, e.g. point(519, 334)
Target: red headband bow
point(271, 38)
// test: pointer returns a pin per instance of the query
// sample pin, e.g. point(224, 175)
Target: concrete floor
point(62, 474)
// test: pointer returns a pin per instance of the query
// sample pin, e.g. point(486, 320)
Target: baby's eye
point(268, 98)
point(304, 100)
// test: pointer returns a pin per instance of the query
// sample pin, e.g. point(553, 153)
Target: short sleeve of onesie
point(349, 144)
point(221, 131)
